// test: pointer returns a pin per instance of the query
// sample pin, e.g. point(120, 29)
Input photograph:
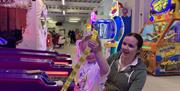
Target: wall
point(140, 12)
point(146, 11)
point(135, 15)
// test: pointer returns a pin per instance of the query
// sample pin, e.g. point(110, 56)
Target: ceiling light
point(73, 21)
point(63, 2)
point(64, 12)
point(48, 18)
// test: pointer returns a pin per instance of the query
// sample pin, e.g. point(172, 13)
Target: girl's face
point(91, 56)
point(129, 46)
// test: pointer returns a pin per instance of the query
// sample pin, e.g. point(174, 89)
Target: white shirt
point(89, 78)
point(132, 64)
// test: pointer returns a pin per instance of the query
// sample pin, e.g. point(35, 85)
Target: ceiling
point(73, 8)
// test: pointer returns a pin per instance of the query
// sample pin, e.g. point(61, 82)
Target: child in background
point(68, 40)
point(92, 73)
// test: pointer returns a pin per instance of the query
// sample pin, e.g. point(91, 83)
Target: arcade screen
point(106, 29)
point(152, 32)
point(173, 34)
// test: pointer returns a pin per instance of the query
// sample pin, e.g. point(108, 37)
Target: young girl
point(92, 73)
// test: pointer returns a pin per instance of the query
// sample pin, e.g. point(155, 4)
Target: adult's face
point(129, 46)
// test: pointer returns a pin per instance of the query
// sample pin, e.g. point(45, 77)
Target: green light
point(146, 47)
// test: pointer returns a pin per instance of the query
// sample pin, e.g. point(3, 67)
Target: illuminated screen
point(152, 32)
point(105, 28)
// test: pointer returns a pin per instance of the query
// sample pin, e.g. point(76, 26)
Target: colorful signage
point(160, 6)
point(88, 26)
point(114, 9)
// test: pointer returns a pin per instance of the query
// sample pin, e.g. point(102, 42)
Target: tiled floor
point(165, 83)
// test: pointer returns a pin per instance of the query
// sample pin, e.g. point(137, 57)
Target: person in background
point(68, 41)
point(73, 37)
point(127, 72)
point(93, 72)
point(70, 35)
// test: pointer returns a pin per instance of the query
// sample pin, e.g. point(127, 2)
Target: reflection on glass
point(152, 32)
point(173, 34)
point(106, 29)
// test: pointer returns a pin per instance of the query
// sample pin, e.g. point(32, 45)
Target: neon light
point(93, 17)
point(63, 2)
point(160, 6)
point(57, 73)
point(65, 63)
point(146, 47)
point(151, 18)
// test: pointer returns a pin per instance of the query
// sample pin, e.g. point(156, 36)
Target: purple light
point(151, 18)
point(93, 17)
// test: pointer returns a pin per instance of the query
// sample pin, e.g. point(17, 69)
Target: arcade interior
point(38, 40)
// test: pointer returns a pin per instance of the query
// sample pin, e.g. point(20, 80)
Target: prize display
point(161, 34)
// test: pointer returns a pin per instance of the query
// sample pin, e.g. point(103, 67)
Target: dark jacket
point(131, 79)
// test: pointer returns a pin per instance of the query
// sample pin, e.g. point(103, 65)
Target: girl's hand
point(84, 43)
point(94, 45)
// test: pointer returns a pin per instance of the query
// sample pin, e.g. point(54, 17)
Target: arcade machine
point(55, 71)
point(111, 31)
point(24, 55)
point(53, 53)
point(106, 29)
point(23, 80)
point(161, 34)
point(3, 41)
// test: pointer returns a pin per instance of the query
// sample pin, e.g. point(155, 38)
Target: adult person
point(127, 72)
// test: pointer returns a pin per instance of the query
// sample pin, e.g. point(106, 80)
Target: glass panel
point(106, 29)
point(152, 32)
point(173, 34)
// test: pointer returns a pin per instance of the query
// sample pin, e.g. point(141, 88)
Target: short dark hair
point(139, 39)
